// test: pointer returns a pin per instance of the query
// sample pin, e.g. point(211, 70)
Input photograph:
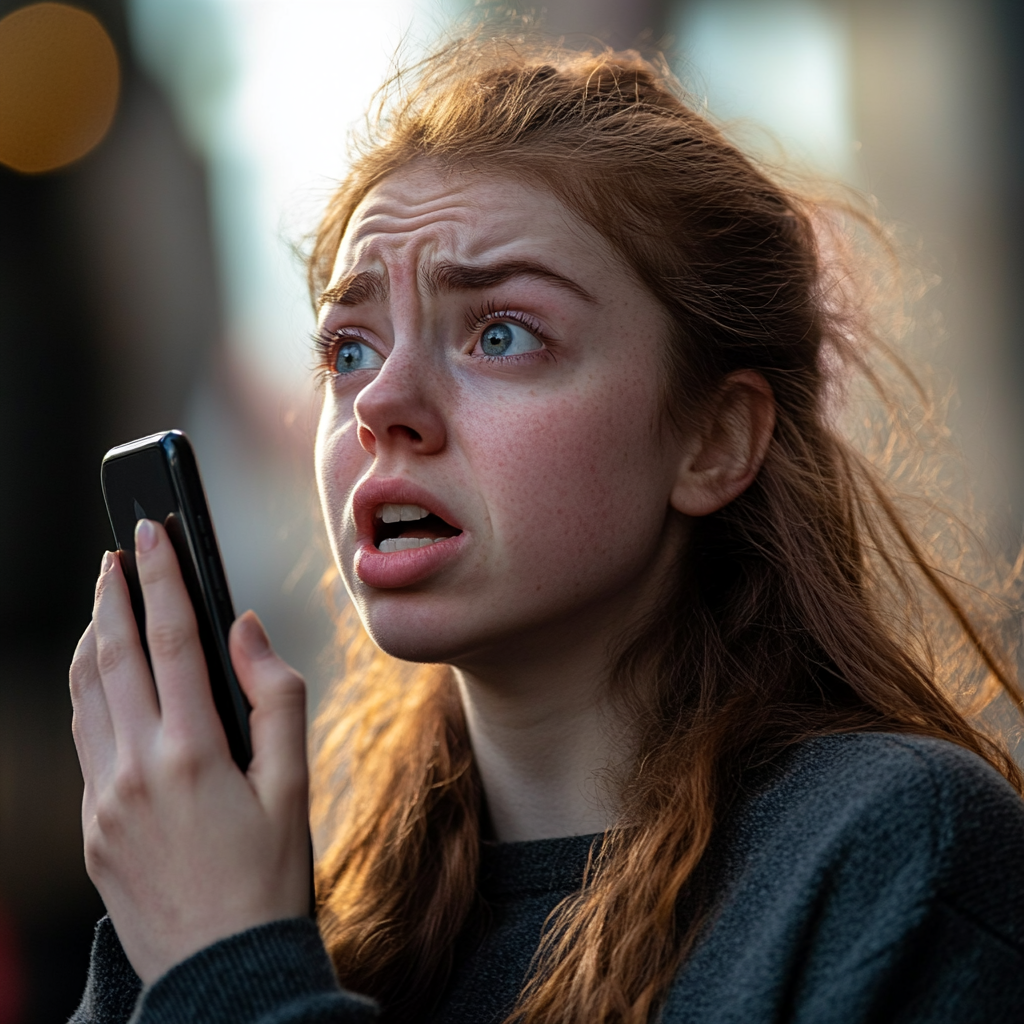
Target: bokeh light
point(59, 81)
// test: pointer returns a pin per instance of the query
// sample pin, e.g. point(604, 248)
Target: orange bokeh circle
point(59, 80)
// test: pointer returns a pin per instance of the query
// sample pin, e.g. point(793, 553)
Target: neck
point(546, 740)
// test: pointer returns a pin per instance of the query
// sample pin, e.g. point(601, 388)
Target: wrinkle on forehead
point(387, 209)
point(460, 219)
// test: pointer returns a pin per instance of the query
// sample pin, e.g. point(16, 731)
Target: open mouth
point(401, 527)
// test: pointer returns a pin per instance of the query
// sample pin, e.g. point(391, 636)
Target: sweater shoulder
point(862, 877)
point(913, 780)
point(862, 806)
point(879, 759)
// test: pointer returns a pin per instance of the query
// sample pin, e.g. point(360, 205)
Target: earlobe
point(719, 460)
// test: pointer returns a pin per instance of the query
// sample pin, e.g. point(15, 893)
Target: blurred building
point(153, 282)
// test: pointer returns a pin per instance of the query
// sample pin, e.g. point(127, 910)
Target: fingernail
point(254, 639)
point(145, 535)
point(107, 564)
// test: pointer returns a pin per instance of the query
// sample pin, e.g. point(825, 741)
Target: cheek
point(340, 462)
point(576, 482)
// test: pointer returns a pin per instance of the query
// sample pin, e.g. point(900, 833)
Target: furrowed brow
point(355, 289)
point(455, 277)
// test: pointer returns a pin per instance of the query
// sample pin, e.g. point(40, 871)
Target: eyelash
point(325, 344)
point(325, 348)
point(478, 318)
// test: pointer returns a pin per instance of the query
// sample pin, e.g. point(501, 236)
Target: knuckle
point(185, 761)
point(284, 691)
point(95, 850)
point(99, 848)
point(80, 677)
point(107, 821)
point(111, 653)
point(77, 732)
point(292, 687)
point(129, 786)
point(168, 638)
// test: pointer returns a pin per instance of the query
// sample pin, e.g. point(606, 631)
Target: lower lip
point(404, 568)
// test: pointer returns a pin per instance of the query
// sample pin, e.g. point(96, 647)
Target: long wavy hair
point(831, 596)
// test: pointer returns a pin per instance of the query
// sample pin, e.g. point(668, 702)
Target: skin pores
point(491, 361)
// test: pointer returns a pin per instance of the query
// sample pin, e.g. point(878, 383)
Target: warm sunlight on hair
point(821, 600)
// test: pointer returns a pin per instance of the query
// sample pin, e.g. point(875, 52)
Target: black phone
point(157, 477)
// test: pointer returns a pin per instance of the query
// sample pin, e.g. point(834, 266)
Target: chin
point(420, 649)
point(413, 634)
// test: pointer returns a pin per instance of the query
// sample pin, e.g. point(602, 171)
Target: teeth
point(401, 513)
point(405, 543)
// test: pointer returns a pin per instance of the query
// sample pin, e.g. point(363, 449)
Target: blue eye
point(356, 355)
point(505, 339)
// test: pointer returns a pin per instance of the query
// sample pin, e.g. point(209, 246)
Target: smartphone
point(157, 478)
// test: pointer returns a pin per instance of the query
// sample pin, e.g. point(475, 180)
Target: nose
point(399, 410)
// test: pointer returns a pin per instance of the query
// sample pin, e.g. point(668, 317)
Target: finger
point(179, 665)
point(277, 694)
point(91, 727)
point(125, 676)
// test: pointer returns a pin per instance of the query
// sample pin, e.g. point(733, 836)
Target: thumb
point(277, 693)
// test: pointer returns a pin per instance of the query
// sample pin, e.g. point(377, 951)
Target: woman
point(695, 742)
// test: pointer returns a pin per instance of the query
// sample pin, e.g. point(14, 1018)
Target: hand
point(183, 847)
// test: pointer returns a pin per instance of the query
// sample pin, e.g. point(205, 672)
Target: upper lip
point(376, 491)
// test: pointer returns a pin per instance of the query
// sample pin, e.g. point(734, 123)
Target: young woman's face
point(491, 456)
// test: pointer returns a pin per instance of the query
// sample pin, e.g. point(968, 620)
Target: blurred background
point(162, 160)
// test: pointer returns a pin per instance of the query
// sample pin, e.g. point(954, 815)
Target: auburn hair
point(821, 600)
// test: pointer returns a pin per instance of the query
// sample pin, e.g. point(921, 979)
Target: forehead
point(423, 214)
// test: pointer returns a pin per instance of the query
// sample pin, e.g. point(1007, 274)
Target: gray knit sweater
point(866, 878)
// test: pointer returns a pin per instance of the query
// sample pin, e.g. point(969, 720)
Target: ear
point(723, 455)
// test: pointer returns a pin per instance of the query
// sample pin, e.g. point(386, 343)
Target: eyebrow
point(355, 289)
point(444, 278)
point(454, 277)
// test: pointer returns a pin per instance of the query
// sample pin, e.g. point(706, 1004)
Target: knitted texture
point(113, 987)
point(862, 878)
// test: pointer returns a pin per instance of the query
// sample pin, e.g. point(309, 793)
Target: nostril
point(412, 435)
point(367, 440)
